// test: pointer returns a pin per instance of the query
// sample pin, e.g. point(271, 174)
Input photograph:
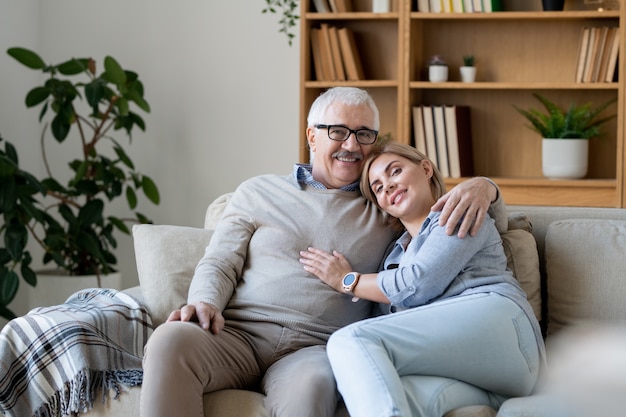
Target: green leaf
point(119, 225)
point(7, 167)
point(8, 194)
point(94, 92)
point(124, 157)
point(60, 127)
point(9, 282)
point(15, 238)
point(131, 197)
point(11, 152)
point(150, 190)
point(36, 96)
point(143, 219)
point(91, 213)
point(27, 57)
point(114, 72)
point(138, 121)
point(137, 97)
point(27, 273)
point(73, 66)
point(4, 257)
point(81, 171)
point(122, 105)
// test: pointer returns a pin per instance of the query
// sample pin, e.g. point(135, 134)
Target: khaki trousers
point(182, 362)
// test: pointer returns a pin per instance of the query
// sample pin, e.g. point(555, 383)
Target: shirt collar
point(303, 173)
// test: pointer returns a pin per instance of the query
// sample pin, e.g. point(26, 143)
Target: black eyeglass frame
point(350, 131)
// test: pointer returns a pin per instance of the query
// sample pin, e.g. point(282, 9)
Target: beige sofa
point(573, 267)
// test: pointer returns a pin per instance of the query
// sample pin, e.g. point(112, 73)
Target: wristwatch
point(349, 281)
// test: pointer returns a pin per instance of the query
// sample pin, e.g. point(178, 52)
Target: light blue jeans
point(423, 362)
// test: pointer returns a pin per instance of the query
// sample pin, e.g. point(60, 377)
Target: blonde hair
point(437, 185)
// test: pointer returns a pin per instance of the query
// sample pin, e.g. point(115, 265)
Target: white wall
point(221, 81)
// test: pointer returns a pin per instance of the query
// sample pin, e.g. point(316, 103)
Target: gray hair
point(350, 96)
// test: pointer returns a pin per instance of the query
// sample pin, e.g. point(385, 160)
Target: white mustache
point(349, 155)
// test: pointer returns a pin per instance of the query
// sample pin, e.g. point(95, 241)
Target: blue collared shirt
point(304, 175)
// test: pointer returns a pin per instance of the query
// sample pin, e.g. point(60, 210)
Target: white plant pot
point(54, 287)
point(468, 74)
point(565, 158)
point(381, 6)
point(438, 73)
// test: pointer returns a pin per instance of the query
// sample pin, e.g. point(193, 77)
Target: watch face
point(349, 279)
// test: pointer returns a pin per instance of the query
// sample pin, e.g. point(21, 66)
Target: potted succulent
point(437, 69)
point(468, 70)
point(65, 213)
point(566, 135)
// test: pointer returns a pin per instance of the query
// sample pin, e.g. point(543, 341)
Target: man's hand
point(208, 316)
point(469, 201)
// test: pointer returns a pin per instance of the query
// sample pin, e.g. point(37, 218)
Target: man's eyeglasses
point(342, 133)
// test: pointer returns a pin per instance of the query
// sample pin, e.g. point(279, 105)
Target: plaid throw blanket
point(55, 360)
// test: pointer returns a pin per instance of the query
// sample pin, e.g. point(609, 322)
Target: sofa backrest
point(582, 256)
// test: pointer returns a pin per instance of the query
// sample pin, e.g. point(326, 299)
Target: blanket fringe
point(78, 395)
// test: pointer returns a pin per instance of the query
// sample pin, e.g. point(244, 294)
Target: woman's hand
point(329, 267)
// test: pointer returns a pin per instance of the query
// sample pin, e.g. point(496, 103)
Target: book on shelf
point(333, 6)
point(457, 6)
point(611, 67)
point(419, 137)
point(350, 55)
point(340, 74)
point(597, 54)
point(492, 6)
point(446, 6)
point(602, 33)
point(321, 6)
point(423, 6)
point(590, 54)
point(444, 134)
point(327, 52)
point(436, 6)
point(343, 6)
point(459, 138)
point(441, 140)
point(477, 6)
point(429, 133)
point(317, 54)
point(606, 54)
point(468, 6)
point(582, 54)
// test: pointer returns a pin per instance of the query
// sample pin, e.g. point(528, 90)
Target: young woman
point(457, 311)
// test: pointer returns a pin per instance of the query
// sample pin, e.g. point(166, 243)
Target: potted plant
point(65, 213)
point(566, 135)
point(468, 70)
point(437, 69)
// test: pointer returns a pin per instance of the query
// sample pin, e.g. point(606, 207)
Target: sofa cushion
point(522, 258)
point(166, 259)
point(585, 266)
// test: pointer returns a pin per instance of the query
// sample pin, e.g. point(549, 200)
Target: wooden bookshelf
point(518, 52)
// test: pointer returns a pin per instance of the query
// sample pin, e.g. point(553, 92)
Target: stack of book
point(332, 6)
point(335, 55)
point(444, 134)
point(459, 6)
point(597, 55)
